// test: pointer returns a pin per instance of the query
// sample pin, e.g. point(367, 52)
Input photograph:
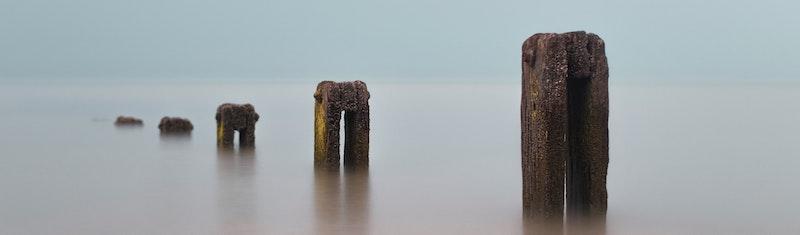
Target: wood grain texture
point(331, 100)
point(233, 118)
point(564, 121)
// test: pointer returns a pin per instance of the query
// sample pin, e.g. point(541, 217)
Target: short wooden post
point(235, 117)
point(175, 126)
point(331, 99)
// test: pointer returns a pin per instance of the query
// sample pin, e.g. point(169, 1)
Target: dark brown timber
point(331, 99)
point(564, 128)
point(240, 118)
point(175, 125)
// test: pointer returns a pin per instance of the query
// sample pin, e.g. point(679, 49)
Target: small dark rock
point(175, 125)
point(128, 121)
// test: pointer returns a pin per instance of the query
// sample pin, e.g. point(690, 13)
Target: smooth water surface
point(709, 159)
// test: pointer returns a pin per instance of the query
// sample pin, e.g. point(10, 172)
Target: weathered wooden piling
point(332, 99)
point(175, 126)
point(564, 127)
point(128, 121)
point(235, 117)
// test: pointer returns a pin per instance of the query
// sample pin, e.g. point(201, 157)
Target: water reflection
point(179, 139)
point(128, 128)
point(535, 226)
point(585, 226)
point(356, 200)
point(341, 207)
point(237, 197)
point(326, 200)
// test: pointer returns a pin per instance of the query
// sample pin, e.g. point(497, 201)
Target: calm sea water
point(685, 159)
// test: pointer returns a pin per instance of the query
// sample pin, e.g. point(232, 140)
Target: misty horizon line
point(628, 80)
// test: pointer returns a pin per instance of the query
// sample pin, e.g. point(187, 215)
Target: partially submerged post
point(564, 127)
point(332, 99)
point(175, 126)
point(126, 121)
point(235, 117)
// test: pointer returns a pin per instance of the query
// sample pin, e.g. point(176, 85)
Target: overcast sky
point(395, 39)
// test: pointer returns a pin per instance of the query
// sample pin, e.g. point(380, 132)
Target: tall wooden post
point(564, 128)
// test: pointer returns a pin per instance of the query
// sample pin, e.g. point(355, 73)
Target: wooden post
point(331, 99)
point(234, 117)
point(175, 126)
point(564, 127)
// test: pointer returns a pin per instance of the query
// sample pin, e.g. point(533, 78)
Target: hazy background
point(710, 149)
point(456, 40)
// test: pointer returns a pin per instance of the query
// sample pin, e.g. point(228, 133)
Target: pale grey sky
point(394, 39)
